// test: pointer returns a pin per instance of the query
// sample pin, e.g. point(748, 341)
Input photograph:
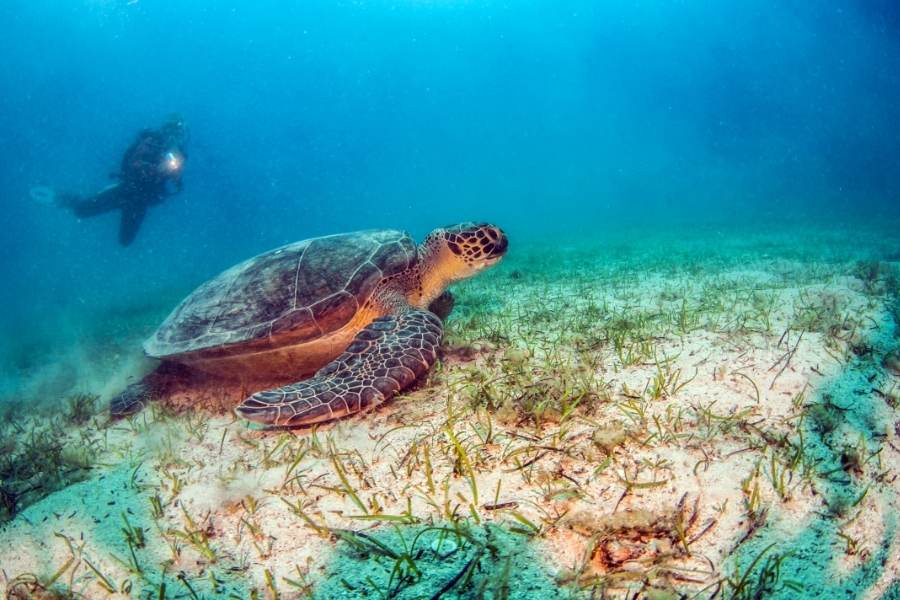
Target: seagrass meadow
point(671, 371)
point(643, 416)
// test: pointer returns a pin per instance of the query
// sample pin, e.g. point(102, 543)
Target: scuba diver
point(151, 171)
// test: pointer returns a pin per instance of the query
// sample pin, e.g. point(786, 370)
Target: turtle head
point(474, 245)
point(459, 251)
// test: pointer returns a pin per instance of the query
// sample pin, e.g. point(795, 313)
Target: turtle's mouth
point(499, 247)
point(488, 262)
point(496, 248)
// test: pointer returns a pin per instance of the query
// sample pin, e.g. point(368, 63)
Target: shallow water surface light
point(668, 365)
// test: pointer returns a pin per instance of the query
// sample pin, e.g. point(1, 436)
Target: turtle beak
point(498, 245)
point(501, 246)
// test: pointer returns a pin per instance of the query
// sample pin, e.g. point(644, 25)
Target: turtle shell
point(289, 295)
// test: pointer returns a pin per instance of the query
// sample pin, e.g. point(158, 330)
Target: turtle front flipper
point(384, 359)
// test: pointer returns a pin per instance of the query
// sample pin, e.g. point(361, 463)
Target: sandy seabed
point(611, 422)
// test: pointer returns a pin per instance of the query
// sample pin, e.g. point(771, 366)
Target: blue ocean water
point(566, 122)
point(550, 118)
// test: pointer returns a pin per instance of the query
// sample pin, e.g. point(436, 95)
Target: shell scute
point(364, 281)
point(395, 257)
point(295, 320)
point(294, 293)
point(334, 311)
point(260, 293)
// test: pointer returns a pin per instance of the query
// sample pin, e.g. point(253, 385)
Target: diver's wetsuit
point(143, 181)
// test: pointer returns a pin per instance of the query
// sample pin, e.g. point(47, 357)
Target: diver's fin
point(384, 359)
point(132, 217)
point(43, 195)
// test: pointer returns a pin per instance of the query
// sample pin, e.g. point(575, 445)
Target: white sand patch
point(646, 426)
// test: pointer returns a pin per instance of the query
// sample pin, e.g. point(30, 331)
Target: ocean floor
point(716, 416)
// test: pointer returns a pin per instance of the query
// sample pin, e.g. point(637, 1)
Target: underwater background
point(614, 142)
point(560, 121)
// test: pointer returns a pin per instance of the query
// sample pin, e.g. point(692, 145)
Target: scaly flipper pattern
point(132, 400)
point(385, 358)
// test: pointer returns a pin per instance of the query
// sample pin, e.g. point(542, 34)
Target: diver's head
point(174, 120)
point(459, 251)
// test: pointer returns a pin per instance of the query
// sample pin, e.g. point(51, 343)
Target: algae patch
point(439, 561)
point(45, 451)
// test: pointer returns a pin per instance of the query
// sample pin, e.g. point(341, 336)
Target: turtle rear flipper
point(130, 401)
point(384, 359)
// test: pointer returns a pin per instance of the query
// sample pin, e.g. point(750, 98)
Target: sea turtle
point(358, 312)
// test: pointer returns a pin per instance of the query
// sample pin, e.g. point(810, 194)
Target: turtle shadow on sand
point(341, 323)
